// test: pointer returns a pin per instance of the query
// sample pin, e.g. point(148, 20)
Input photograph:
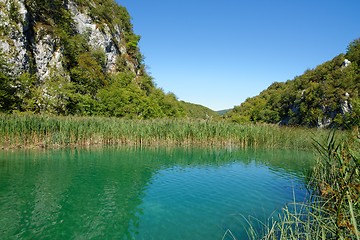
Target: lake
point(131, 193)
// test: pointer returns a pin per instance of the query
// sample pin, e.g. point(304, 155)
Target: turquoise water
point(127, 193)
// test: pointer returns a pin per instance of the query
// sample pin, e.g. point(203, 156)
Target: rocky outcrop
point(13, 41)
point(107, 41)
point(346, 107)
point(346, 63)
point(27, 46)
point(48, 56)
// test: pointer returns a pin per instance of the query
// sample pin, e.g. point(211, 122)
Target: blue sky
point(218, 53)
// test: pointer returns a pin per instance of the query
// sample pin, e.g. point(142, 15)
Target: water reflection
point(139, 193)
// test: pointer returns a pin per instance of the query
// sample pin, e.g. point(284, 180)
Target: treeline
point(120, 95)
point(322, 97)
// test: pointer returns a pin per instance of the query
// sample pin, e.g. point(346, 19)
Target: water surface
point(113, 193)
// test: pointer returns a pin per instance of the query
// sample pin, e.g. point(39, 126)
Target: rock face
point(13, 40)
point(28, 45)
point(105, 40)
point(47, 56)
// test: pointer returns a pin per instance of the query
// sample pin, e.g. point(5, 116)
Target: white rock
point(346, 107)
point(48, 58)
point(346, 63)
point(97, 39)
point(4, 47)
point(43, 53)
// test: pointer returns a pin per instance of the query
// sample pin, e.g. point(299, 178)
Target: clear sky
point(218, 53)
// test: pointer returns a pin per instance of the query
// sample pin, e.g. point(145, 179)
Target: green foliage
point(199, 111)
point(99, 56)
point(132, 43)
point(25, 92)
point(316, 98)
point(74, 46)
point(6, 93)
point(14, 11)
point(126, 97)
point(353, 51)
point(59, 92)
point(88, 74)
point(52, 13)
point(121, 97)
point(7, 99)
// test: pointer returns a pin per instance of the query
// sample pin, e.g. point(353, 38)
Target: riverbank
point(44, 131)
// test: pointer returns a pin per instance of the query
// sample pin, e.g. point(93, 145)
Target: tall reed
point(336, 182)
point(52, 131)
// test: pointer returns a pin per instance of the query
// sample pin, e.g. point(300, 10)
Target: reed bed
point(29, 131)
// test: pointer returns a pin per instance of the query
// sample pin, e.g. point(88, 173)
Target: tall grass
point(336, 183)
point(333, 209)
point(51, 131)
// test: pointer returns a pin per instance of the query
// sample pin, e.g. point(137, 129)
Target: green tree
point(88, 74)
point(24, 92)
point(7, 98)
point(55, 96)
point(353, 51)
point(122, 97)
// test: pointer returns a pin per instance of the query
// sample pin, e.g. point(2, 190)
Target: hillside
point(198, 111)
point(223, 112)
point(325, 96)
point(76, 57)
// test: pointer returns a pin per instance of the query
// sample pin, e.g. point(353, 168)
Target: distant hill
point(325, 96)
point(223, 112)
point(198, 111)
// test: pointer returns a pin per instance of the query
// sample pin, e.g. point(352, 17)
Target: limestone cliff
point(32, 40)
